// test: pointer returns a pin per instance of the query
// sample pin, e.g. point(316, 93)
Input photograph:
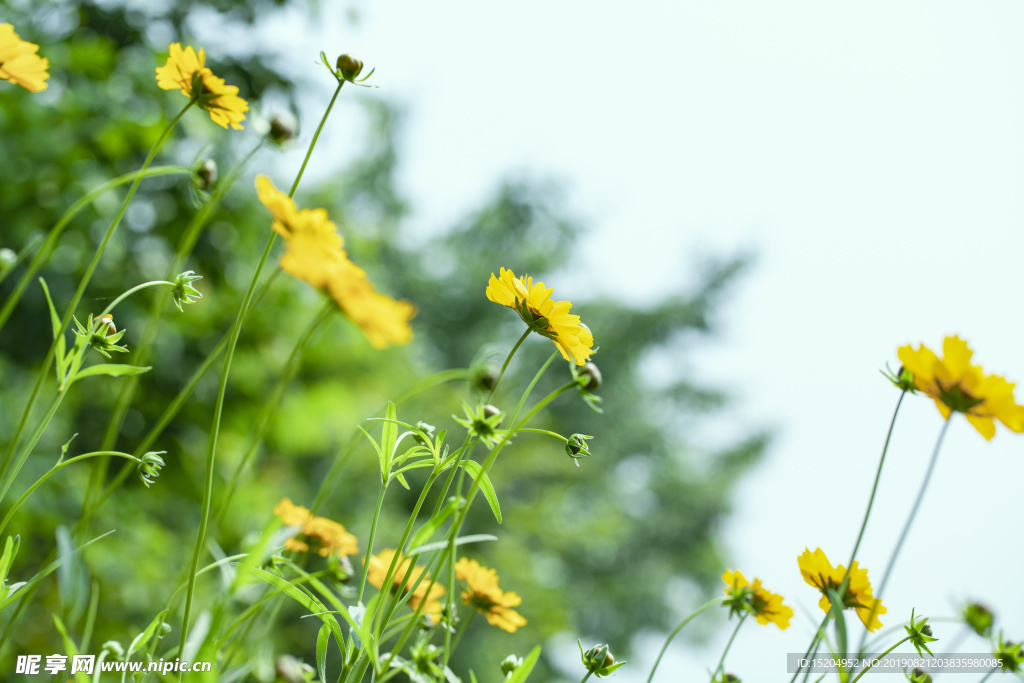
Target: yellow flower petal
point(19, 62)
point(184, 68)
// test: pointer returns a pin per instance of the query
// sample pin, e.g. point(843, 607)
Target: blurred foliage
point(590, 549)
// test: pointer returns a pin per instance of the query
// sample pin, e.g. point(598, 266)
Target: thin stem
point(462, 629)
point(25, 452)
point(671, 636)
point(721, 661)
point(53, 470)
point(508, 359)
point(874, 488)
point(222, 389)
point(868, 667)
point(589, 674)
point(51, 239)
point(991, 671)
point(369, 543)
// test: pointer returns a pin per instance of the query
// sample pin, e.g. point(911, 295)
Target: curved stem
point(222, 389)
point(51, 239)
point(508, 359)
point(589, 674)
point(369, 543)
point(868, 667)
point(814, 644)
point(671, 636)
point(53, 470)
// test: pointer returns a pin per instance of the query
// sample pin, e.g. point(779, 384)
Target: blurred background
point(751, 205)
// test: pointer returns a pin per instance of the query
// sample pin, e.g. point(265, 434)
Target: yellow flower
point(378, 571)
point(483, 594)
point(573, 339)
point(819, 572)
point(185, 70)
point(19, 62)
point(314, 254)
point(956, 385)
point(329, 537)
point(767, 606)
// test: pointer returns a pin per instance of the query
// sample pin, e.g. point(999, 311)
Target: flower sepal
point(599, 660)
point(920, 634)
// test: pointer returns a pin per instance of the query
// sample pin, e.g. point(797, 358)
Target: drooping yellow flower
point(767, 606)
point(958, 386)
point(314, 254)
point(19, 62)
point(533, 302)
point(819, 572)
point(483, 594)
point(424, 593)
point(327, 536)
point(187, 71)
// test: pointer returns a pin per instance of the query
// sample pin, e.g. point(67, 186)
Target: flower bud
point(114, 648)
point(184, 292)
point(593, 374)
point(491, 411)
point(919, 675)
point(979, 618)
point(283, 127)
point(426, 429)
point(206, 174)
point(109, 321)
point(510, 664)
point(149, 468)
point(291, 670)
point(349, 67)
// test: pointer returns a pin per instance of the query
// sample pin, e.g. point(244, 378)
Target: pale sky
point(869, 155)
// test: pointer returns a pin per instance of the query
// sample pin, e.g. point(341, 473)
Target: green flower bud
point(599, 660)
point(918, 675)
point(291, 670)
point(979, 618)
point(283, 127)
point(491, 411)
point(349, 67)
point(726, 678)
point(426, 429)
point(184, 292)
point(113, 648)
point(149, 468)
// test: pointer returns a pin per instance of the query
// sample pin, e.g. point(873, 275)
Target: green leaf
point(322, 640)
point(70, 649)
point(401, 480)
point(440, 545)
point(143, 638)
point(260, 552)
point(389, 435)
point(309, 602)
point(477, 472)
point(11, 546)
point(111, 369)
point(61, 350)
point(380, 453)
point(520, 674)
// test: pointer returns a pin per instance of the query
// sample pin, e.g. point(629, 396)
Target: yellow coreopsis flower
point(483, 594)
point(327, 536)
point(187, 71)
point(533, 302)
point(819, 572)
point(958, 386)
point(424, 593)
point(19, 62)
point(766, 606)
point(314, 254)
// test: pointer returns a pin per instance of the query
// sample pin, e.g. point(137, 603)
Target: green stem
point(991, 671)
point(589, 674)
point(462, 629)
point(25, 452)
point(369, 543)
point(910, 519)
point(814, 644)
point(51, 239)
point(671, 636)
point(53, 470)
point(270, 406)
point(508, 359)
point(222, 389)
point(80, 292)
point(721, 661)
point(868, 667)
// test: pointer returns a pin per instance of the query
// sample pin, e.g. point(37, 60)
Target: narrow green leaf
point(143, 638)
point(440, 545)
point(520, 674)
point(322, 640)
point(307, 601)
point(70, 649)
point(42, 574)
point(477, 472)
point(61, 364)
point(111, 369)
point(11, 546)
point(401, 480)
point(380, 453)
